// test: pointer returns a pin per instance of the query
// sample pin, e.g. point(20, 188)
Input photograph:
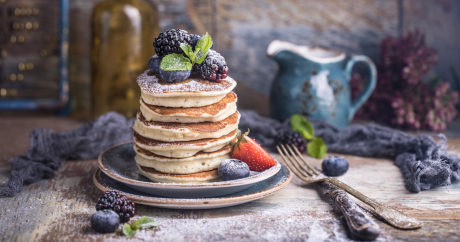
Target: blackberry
point(213, 68)
point(168, 42)
point(194, 39)
point(291, 137)
point(120, 204)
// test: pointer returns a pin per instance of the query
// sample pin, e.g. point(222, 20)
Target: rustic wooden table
point(59, 209)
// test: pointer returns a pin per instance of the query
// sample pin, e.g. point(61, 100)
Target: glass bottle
point(122, 35)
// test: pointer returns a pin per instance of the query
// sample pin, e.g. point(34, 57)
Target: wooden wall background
point(243, 29)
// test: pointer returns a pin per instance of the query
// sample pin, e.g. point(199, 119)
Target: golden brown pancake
point(200, 155)
point(192, 92)
point(201, 161)
point(169, 132)
point(210, 113)
point(157, 176)
point(180, 149)
point(154, 85)
point(183, 167)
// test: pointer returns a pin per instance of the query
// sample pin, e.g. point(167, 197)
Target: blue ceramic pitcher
point(312, 81)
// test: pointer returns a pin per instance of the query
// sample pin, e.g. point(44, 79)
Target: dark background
point(243, 29)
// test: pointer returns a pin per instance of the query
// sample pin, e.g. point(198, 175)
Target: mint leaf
point(204, 44)
point(175, 62)
point(192, 56)
point(189, 52)
point(187, 49)
point(301, 125)
point(200, 56)
point(144, 223)
point(317, 148)
point(127, 231)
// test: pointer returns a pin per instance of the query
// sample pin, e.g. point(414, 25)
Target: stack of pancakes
point(183, 130)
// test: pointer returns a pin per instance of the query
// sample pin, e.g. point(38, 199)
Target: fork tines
point(295, 161)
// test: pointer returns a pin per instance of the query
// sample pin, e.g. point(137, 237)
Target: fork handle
point(392, 216)
point(360, 225)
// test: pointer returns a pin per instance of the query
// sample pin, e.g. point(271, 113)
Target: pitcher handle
point(368, 89)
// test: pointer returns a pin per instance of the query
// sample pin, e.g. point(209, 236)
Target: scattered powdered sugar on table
point(151, 84)
point(291, 223)
point(280, 217)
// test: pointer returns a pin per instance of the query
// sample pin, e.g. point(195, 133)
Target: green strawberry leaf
point(301, 125)
point(127, 231)
point(144, 223)
point(204, 44)
point(316, 148)
point(175, 62)
point(239, 139)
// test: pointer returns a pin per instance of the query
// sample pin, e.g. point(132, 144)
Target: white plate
point(259, 190)
point(118, 163)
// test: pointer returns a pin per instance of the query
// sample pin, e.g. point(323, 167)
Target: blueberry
point(232, 169)
point(334, 166)
point(154, 64)
point(174, 76)
point(105, 221)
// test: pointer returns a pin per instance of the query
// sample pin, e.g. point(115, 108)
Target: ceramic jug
point(314, 81)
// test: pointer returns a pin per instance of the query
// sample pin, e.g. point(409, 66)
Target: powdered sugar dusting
point(269, 223)
point(251, 222)
point(151, 84)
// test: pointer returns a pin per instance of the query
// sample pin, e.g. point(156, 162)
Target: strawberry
point(247, 150)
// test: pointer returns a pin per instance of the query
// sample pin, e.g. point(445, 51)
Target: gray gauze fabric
point(424, 163)
point(48, 149)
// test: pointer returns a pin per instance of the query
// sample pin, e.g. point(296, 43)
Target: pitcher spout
point(277, 46)
point(285, 55)
point(312, 53)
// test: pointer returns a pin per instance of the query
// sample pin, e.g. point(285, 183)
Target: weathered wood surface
point(59, 209)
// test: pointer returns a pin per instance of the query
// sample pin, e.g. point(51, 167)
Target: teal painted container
point(314, 81)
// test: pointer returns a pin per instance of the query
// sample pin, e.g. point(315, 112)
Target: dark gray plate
point(259, 190)
point(118, 163)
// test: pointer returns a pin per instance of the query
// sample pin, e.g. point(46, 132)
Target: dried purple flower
point(401, 97)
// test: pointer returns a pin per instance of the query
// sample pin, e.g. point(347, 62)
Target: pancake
point(200, 155)
point(170, 132)
point(210, 113)
point(198, 163)
point(199, 177)
point(181, 149)
point(192, 92)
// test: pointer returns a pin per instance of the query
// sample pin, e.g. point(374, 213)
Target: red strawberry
point(247, 150)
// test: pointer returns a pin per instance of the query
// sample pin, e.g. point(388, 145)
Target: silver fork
point(309, 174)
